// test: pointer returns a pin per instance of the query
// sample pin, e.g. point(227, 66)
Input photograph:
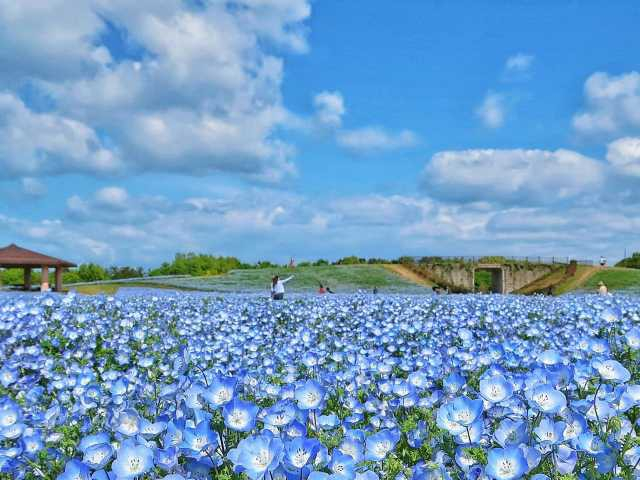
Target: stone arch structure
point(498, 276)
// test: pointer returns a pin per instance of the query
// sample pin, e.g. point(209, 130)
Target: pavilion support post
point(44, 281)
point(27, 278)
point(59, 271)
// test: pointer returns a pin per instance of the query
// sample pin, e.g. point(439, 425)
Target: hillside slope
point(340, 278)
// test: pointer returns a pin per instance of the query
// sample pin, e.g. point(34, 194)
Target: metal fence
point(500, 259)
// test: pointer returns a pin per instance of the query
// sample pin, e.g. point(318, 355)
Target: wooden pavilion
point(14, 256)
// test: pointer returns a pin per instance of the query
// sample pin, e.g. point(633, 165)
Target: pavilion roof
point(15, 256)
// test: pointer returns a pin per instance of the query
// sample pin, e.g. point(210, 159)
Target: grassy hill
point(340, 278)
point(616, 280)
point(586, 280)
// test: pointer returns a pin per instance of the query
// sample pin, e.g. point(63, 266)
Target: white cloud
point(35, 144)
point(329, 109)
point(202, 96)
point(375, 139)
point(266, 223)
point(511, 176)
point(613, 104)
point(519, 63)
point(492, 110)
point(624, 155)
point(53, 39)
point(112, 197)
point(33, 187)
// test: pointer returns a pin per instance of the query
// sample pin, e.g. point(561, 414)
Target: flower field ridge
point(345, 387)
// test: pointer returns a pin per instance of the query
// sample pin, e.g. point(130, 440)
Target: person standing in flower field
point(277, 287)
point(602, 289)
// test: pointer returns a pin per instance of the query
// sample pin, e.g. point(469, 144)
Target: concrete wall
point(452, 275)
point(519, 277)
point(506, 278)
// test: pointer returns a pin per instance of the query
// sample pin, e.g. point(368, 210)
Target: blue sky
point(278, 128)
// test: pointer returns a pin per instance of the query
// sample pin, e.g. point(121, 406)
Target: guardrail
point(499, 259)
point(149, 279)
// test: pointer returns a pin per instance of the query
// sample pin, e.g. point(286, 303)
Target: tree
point(631, 262)
point(91, 272)
point(197, 264)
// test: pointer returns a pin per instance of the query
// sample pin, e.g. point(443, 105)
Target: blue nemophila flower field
point(341, 387)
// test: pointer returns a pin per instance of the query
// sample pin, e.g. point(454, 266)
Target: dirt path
point(581, 277)
point(407, 274)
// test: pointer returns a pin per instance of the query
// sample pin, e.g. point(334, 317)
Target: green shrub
point(117, 273)
point(15, 276)
point(405, 260)
point(197, 265)
point(631, 262)
point(350, 260)
point(91, 272)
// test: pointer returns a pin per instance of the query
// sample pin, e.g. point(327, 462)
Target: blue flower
point(496, 388)
point(342, 466)
point(380, 444)
point(466, 411)
point(127, 423)
point(633, 338)
point(506, 463)
point(132, 460)
point(199, 441)
point(97, 456)
point(565, 459)
point(310, 395)
point(511, 432)
point(10, 413)
point(258, 455)
point(614, 371)
point(454, 382)
point(166, 459)
point(353, 447)
point(221, 391)
point(300, 452)
point(75, 470)
point(547, 399)
point(8, 375)
point(549, 432)
point(239, 415)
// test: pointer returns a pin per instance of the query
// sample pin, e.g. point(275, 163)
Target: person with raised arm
point(277, 287)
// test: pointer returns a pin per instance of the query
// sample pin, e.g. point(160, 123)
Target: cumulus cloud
point(52, 40)
point(492, 110)
point(34, 144)
point(375, 139)
point(273, 224)
point(518, 63)
point(329, 109)
point(202, 94)
point(112, 197)
point(33, 187)
point(612, 104)
point(624, 155)
point(511, 176)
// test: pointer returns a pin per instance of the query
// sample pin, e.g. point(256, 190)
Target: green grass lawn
point(616, 279)
point(340, 278)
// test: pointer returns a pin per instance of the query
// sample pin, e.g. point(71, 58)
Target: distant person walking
point(277, 287)
point(602, 289)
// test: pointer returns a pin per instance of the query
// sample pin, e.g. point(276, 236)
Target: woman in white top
point(277, 287)
point(602, 289)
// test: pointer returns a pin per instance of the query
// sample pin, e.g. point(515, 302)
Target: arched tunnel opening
point(488, 280)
